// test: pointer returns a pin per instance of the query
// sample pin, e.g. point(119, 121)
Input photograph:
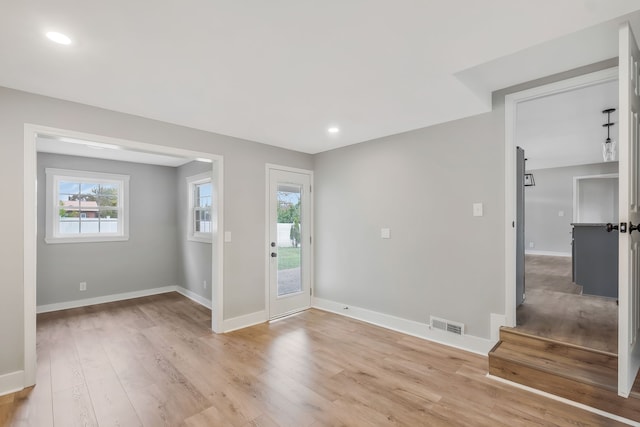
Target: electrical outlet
point(83, 286)
point(204, 284)
point(532, 245)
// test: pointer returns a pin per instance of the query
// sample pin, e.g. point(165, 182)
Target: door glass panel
point(289, 232)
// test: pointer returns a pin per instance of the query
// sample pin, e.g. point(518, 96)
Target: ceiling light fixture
point(202, 159)
point(58, 38)
point(333, 130)
point(608, 146)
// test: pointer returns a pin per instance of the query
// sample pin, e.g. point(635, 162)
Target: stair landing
point(570, 371)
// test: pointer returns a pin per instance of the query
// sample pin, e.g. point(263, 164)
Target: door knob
point(273, 254)
point(611, 227)
point(273, 244)
point(634, 227)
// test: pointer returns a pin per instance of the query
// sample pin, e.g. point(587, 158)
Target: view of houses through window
point(87, 208)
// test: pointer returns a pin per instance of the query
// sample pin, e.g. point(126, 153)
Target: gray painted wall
point(244, 187)
point(553, 193)
point(431, 223)
point(440, 259)
point(149, 259)
point(195, 257)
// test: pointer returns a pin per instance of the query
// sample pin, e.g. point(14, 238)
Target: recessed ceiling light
point(333, 129)
point(58, 38)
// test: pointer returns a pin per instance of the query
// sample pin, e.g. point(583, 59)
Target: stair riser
point(570, 389)
point(560, 349)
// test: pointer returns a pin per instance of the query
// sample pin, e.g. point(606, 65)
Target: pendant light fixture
point(608, 146)
point(528, 177)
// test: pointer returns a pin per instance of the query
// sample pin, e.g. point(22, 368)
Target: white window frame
point(192, 235)
point(52, 225)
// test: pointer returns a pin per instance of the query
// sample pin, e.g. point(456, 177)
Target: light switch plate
point(385, 233)
point(560, 213)
point(227, 236)
point(477, 209)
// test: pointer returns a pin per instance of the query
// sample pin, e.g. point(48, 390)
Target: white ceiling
point(566, 129)
point(281, 72)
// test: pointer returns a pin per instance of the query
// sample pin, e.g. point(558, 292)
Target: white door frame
point(511, 102)
point(267, 260)
point(31, 131)
point(576, 191)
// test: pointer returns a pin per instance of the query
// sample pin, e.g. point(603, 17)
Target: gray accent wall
point(552, 194)
point(244, 188)
point(149, 259)
point(440, 260)
point(195, 257)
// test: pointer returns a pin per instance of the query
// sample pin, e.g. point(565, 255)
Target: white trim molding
point(12, 382)
point(46, 308)
point(245, 321)
point(547, 253)
point(30, 252)
point(31, 132)
point(194, 297)
point(417, 329)
point(577, 180)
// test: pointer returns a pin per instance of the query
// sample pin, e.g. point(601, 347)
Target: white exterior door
point(629, 198)
point(289, 243)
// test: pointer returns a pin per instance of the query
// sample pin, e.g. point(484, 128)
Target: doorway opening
point(570, 274)
point(546, 161)
point(112, 214)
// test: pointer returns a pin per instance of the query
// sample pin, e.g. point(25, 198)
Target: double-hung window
point(200, 228)
point(86, 206)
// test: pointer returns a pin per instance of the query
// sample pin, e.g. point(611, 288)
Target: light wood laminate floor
point(153, 361)
point(554, 307)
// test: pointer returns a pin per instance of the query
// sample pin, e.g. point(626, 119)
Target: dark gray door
point(519, 226)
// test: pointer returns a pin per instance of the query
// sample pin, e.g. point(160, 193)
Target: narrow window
point(200, 189)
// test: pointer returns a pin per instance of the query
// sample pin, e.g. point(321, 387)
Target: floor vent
point(447, 325)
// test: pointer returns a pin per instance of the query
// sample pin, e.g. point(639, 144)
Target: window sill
point(200, 239)
point(88, 239)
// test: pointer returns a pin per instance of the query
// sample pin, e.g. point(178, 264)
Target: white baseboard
point(409, 327)
point(547, 253)
point(11, 382)
point(194, 297)
point(104, 299)
point(244, 321)
point(496, 321)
